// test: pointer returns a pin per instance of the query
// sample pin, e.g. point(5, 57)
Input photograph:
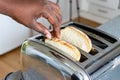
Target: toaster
point(46, 61)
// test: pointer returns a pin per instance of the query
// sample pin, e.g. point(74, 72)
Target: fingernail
point(48, 36)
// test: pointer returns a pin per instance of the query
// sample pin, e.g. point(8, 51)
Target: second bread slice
point(70, 51)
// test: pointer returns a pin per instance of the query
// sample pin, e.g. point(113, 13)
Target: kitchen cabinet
point(12, 34)
point(101, 11)
point(112, 4)
point(104, 8)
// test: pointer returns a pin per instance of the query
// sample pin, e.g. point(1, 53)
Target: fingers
point(41, 28)
point(54, 18)
point(56, 11)
point(52, 14)
point(56, 31)
point(55, 6)
point(55, 23)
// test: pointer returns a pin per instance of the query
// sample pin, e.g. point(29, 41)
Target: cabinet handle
point(104, 0)
point(103, 11)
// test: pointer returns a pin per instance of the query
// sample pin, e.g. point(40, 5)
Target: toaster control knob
point(77, 76)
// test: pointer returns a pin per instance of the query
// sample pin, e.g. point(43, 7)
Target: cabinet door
point(103, 12)
point(114, 4)
point(12, 34)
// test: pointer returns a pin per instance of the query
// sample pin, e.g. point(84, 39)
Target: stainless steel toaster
point(47, 61)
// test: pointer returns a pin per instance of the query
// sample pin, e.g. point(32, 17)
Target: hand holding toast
point(27, 12)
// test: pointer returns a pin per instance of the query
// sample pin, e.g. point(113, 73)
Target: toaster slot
point(83, 58)
point(98, 43)
point(94, 31)
point(93, 51)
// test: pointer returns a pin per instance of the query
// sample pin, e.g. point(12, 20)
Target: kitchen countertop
point(10, 62)
point(112, 27)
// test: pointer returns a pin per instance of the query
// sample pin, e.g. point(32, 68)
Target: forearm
point(5, 8)
point(2, 6)
point(27, 12)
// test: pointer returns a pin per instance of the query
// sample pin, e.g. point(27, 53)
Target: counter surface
point(10, 62)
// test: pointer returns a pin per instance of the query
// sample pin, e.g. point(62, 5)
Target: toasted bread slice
point(70, 51)
point(76, 38)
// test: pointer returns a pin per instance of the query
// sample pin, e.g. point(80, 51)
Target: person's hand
point(27, 12)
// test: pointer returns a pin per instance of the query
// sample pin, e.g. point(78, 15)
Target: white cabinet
point(12, 34)
point(104, 8)
point(101, 11)
point(113, 4)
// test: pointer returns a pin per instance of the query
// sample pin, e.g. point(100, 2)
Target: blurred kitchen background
point(88, 12)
